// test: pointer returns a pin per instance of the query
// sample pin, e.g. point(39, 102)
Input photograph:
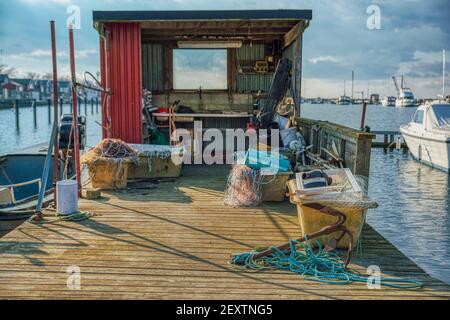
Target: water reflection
point(414, 209)
point(29, 134)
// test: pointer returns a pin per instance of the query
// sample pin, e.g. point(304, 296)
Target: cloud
point(412, 35)
point(323, 59)
point(40, 2)
point(39, 53)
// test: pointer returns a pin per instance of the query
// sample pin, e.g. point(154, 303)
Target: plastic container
point(312, 220)
point(108, 175)
point(67, 197)
point(273, 185)
point(152, 165)
point(271, 161)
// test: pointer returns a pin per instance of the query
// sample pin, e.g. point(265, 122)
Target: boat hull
point(432, 152)
point(404, 104)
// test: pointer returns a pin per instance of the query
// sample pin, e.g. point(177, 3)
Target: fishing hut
point(172, 239)
point(159, 51)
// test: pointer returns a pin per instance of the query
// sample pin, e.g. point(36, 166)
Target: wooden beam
point(168, 68)
point(216, 31)
point(263, 38)
point(293, 34)
point(218, 24)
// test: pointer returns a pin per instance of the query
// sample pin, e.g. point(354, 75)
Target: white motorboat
point(405, 97)
point(428, 134)
point(388, 101)
point(344, 100)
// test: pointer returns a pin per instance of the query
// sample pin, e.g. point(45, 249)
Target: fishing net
point(107, 163)
point(243, 187)
point(112, 150)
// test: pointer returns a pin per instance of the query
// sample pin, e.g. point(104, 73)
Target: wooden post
point(92, 105)
point(85, 106)
point(49, 106)
point(363, 116)
point(33, 104)
point(298, 71)
point(61, 106)
point(16, 109)
point(96, 105)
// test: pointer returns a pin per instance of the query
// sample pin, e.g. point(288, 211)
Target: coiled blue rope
point(320, 266)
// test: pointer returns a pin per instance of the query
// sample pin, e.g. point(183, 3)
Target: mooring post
point(363, 116)
point(33, 104)
point(49, 107)
point(16, 109)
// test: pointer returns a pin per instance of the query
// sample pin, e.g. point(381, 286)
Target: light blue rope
point(320, 266)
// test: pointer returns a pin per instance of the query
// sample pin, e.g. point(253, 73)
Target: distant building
point(39, 89)
point(4, 79)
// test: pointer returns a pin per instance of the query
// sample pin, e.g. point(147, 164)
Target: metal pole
point(46, 171)
point(74, 109)
point(55, 112)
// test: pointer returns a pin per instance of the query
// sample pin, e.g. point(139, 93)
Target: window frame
point(422, 113)
point(227, 83)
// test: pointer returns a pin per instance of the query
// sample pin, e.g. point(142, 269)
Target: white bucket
point(67, 196)
point(288, 135)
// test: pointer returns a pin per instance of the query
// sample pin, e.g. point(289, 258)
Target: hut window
point(194, 68)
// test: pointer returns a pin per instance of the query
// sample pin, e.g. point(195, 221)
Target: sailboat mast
point(443, 74)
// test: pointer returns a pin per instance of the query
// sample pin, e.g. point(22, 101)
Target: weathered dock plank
point(174, 242)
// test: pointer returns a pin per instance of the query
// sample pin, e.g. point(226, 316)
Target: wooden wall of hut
point(157, 76)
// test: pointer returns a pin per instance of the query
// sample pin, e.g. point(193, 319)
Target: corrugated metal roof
point(105, 16)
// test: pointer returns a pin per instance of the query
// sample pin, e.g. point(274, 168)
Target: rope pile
point(321, 266)
point(243, 187)
point(77, 216)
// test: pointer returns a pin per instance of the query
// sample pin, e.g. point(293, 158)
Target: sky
point(343, 36)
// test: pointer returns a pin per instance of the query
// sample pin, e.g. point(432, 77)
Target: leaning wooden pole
point(74, 110)
point(55, 112)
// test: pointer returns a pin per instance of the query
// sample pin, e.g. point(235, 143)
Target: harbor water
point(413, 211)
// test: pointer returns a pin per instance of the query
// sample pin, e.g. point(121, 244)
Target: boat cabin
point(431, 116)
point(219, 64)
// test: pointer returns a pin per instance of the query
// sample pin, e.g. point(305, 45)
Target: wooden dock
point(174, 241)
